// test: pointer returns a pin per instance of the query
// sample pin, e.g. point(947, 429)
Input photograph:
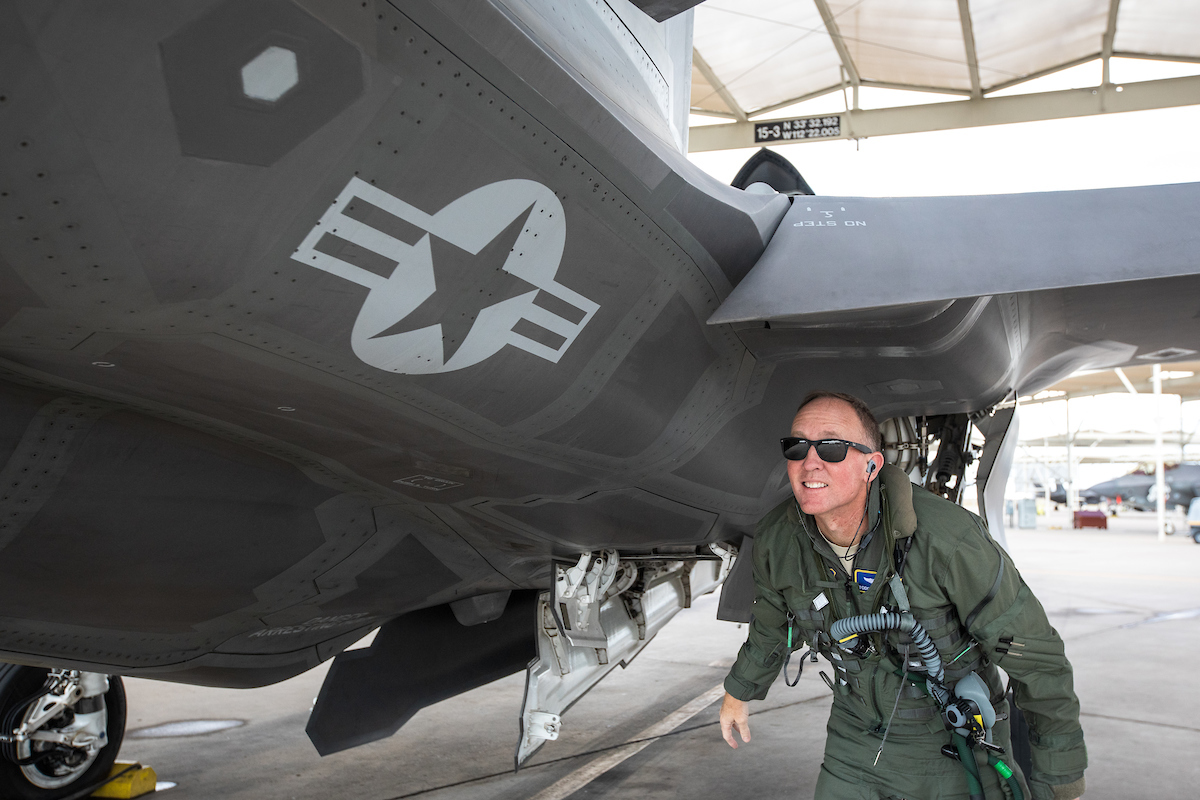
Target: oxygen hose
point(967, 759)
point(847, 629)
point(960, 751)
point(1006, 772)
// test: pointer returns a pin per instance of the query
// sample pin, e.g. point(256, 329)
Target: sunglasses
point(831, 451)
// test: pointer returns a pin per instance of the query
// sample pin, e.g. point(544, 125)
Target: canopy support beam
point(839, 44)
point(864, 123)
point(718, 85)
point(1110, 34)
point(968, 30)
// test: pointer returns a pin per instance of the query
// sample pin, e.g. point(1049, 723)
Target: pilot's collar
point(871, 520)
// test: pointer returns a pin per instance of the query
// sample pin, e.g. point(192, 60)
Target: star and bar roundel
point(477, 275)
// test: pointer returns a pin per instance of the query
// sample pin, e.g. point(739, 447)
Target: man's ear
point(872, 467)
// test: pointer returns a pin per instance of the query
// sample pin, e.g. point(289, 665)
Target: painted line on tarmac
point(543, 764)
point(581, 777)
point(1165, 616)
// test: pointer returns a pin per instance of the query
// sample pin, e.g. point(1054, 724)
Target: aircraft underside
point(318, 317)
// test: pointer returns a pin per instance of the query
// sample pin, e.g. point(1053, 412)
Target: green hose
point(1007, 774)
point(967, 759)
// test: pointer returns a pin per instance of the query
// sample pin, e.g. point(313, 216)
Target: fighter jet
point(1139, 490)
point(1183, 484)
point(1057, 495)
point(1131, 490)
point(322, 317)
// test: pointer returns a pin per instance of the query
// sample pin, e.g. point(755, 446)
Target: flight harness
point(966, 708)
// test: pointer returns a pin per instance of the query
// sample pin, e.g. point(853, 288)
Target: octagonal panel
point(270, 75)
point(251, 79)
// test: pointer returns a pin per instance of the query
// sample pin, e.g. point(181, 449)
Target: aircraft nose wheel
point(60, 731)
point(1196, 535)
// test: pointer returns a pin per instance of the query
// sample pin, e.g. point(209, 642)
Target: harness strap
point(948, 641)
point(955, 675)
point(933, 623)
point(917, 714)
point(897, 587)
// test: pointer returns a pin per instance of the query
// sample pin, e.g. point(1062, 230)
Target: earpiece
point(871, 468)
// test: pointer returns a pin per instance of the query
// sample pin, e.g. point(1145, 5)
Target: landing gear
point(60, 731)
point(1196, 535)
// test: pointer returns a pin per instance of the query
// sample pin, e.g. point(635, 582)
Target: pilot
point(830, 552)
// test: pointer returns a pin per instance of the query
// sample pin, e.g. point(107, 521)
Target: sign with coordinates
point(795, 129)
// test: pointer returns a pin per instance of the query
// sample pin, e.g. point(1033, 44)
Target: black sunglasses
point(830, 451)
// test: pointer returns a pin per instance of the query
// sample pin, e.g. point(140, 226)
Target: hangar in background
point(754, 59)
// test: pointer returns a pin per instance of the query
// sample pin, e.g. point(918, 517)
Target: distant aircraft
point(1140, 490)
point(319, 317)
point(1058, 494)
point(1131, 490)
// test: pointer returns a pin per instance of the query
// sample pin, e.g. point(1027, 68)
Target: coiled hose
point(844, 631)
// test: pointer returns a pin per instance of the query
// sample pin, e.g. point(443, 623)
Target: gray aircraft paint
point(1183, 483)
point(256, 430)
point(262, 366)
point(898, 251)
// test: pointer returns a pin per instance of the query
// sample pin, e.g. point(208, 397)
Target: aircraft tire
point(1196, 535)
point(56, 777)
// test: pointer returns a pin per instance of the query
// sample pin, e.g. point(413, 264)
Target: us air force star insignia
point(518, 221)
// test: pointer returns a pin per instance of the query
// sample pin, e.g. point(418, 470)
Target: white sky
point(1129, 149)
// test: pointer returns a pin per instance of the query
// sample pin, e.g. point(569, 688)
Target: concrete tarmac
point(1127, 606)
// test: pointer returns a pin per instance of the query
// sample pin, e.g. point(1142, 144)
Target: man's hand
point(735, 714)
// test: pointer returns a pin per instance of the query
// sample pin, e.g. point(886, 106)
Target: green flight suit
point(952, 568)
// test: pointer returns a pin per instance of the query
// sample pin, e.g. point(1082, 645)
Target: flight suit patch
point(864, 578)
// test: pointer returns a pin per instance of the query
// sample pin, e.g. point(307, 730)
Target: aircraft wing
point(907, 250)
point(1069, 265)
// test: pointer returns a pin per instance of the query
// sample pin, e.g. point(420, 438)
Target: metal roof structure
point(1181, 378)
point(754, 57)
point(1133, 443)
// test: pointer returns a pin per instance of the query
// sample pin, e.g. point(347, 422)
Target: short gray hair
point(865, 417)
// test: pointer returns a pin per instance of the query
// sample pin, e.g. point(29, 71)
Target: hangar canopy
point(754, 57)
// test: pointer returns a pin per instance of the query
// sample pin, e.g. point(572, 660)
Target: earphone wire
point(850, 558)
